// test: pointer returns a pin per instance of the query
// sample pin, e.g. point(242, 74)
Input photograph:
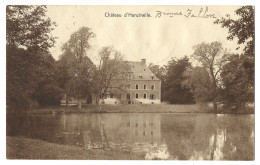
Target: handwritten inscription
point(202, 13)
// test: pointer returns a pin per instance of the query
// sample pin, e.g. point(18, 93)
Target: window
point(136, 95)
point(151, 124)
point(144, 69)
point(144, 96)
point(136, 86)
point(144, 124)
point(111, 95)
point(152, 87)
point(151, 96)
point(144, 86)
point(128, 96)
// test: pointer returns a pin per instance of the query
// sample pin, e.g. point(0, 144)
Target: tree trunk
point(215, 105)
point(102, 102)
point(79, 104)
point(102, 98)
point(66, 99)
point(214, 89)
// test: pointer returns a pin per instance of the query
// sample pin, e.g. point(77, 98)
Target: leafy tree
point(243, 29)
point(47, 92)
point(75, 66)
point(200, 84)
point(237, 90)
point(62, 72)
point(28, 41)
point(28, 27)
point(174, 91)
point(21, 79)
point(210, 55)
point(49, 95)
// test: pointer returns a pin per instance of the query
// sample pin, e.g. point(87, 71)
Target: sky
point(156, 39)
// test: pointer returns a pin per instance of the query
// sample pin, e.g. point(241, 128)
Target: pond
point(175, 136)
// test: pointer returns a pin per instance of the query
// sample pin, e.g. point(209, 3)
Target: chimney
point(143, 61)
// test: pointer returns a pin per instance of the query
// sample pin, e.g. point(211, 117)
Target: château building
point(141, 86)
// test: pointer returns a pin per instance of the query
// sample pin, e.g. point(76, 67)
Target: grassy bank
point(24, 148)
point(138, 108)
point(127, 108)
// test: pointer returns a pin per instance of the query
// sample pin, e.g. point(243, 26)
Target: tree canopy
point(243, 28)
point(28, 27)
point(175, 93)
point(199, 82)
point(29, 63)
point(236, 86)
point(75, 67)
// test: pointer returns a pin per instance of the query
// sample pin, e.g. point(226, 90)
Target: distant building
point(141, 86)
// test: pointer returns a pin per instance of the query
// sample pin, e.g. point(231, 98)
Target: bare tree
point(210, 55)
point(112, 68)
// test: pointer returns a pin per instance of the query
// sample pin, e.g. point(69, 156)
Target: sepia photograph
point(99, 82)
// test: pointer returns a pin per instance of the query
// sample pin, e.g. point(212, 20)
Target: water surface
point(159, 136)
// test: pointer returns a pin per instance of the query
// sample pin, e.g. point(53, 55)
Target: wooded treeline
point(221, 76)
point(35, 78)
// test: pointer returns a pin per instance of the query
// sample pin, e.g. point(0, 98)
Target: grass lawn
point(138, 108)
point(24, 148)
point(129, 108)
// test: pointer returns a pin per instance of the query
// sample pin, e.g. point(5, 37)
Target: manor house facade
point(141, 86)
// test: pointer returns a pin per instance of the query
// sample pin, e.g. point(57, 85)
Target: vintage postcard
point(130, 82)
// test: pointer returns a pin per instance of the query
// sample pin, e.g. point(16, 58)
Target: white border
point(113, 2)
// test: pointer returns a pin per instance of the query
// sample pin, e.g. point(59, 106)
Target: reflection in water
point(209, 137)
point(159, 136)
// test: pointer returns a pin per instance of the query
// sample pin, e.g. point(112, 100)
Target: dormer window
point(152, 76)
point(140, 76)
point(144, 69)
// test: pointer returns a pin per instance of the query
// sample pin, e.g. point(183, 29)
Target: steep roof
point(140, 71)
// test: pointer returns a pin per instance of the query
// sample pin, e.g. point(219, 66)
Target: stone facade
point(141, 87)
